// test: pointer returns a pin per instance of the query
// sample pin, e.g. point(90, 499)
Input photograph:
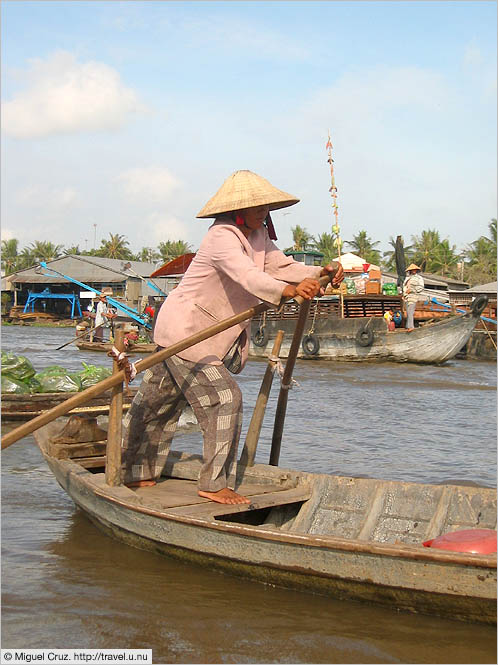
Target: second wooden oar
point(87, 332)
point(286, 383)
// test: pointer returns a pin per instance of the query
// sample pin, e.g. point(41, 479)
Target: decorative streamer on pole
point(336, 229)
point(333, 193)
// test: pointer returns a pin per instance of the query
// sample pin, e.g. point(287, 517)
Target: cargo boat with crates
point(353, 328)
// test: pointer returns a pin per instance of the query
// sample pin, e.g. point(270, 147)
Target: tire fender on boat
point(365, 337)
point(261, 336)
point(479, 305)
point(310, 345)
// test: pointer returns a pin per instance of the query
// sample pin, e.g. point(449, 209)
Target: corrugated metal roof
point(98, 271)
point(491, 287)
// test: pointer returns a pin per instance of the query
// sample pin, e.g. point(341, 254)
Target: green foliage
point(324, 243)
point(364, 246)
point(433, 254)
point(171, 249)
point(303, 240)
point(117, 247)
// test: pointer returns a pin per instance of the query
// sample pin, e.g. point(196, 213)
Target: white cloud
point(7, 234)
point(50, 199)
point(161, 227)
point(148, 185)
point(65, 96)
point(228, 34)
point(472, 56)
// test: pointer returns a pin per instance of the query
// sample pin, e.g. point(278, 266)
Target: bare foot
point(225, 495)
point(410, 329)
point(141, 483)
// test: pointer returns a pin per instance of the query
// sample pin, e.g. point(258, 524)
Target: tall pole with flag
point(336, 229)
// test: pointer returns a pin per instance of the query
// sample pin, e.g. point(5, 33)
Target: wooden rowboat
point(352, 538)
point(362, 338)
point(26, 407)
point(85, 345)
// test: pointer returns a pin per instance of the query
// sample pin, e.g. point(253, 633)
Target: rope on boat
point(336, 229)
point(123, 363)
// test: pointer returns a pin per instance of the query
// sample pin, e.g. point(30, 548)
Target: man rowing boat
point(237, 266)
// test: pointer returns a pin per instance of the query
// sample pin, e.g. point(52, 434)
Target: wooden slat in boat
point(25, 407)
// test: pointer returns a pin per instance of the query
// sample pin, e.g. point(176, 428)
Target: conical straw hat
point(413, 266)
point(245, 189)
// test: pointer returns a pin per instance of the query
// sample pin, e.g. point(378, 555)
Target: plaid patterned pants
point(150, 424)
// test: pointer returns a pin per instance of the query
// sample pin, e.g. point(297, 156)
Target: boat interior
point(362, 509)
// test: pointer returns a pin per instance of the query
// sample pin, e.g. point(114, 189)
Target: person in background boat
point(103, 315)
point(412, 288)
point(237, 266)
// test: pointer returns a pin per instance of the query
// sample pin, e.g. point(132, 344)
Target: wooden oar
point(283, 396)
point(253, 432)
point(79, 336)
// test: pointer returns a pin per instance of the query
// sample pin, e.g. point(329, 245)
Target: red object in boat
point(150, 311)
point(366, 266)
point(474, 541)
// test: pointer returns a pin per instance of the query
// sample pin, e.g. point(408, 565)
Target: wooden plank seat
point(179, 497)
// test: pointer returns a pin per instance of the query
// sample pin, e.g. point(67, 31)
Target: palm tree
point(10, 257)
point(325, 244)
point(171, 249)
point(302, 239)
point(424, 248)
point(115, 248)
point(72, 250)
point(481, 265)
point(44, 251)
point(445, 259)
point(147, 255)
point(365, 247)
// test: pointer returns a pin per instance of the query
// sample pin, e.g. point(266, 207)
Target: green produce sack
point(12, 385)
point(55, 379)
point(91, 374)
point(18, 367)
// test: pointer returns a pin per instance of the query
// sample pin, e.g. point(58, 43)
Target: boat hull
point(105, 347)
point(401, 576)
point(433, 343)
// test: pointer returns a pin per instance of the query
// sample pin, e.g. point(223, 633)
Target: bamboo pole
point(254, 430)
point(114, 431)
point(286, 383)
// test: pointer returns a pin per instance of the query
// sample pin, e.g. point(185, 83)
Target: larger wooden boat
point(363, 335)
point(352, 538)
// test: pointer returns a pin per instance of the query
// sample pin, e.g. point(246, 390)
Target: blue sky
point(126, 117)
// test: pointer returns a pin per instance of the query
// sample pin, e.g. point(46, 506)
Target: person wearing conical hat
point(412, 288)
point(237, 266)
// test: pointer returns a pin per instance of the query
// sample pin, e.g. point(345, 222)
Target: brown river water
point(67, 585)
